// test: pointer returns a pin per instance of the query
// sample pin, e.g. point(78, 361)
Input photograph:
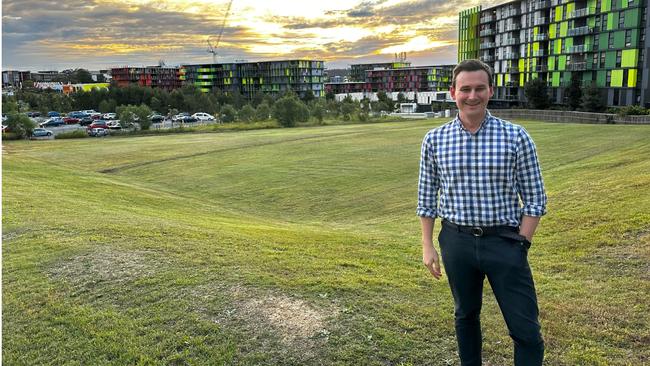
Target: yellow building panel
point(631, 78)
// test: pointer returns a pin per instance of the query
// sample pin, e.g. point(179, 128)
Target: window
point(610, 41)
point(595, 60)
point(603, 22)
point(642, 36)
point(596, 41)
point(618, 58)
point(621, 19)
point(597, 25)
point(609, 78)
point(625, 78)
point(602, 59)
point(598, 4)
point(628, 38)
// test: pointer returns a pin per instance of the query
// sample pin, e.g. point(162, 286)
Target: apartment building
point(162, 77)
point(602, 41)
point(250, 78)
point(358, 71)
point(397, 78)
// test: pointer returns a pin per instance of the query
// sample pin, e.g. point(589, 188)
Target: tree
point(19, 124)
point(82, 76)
point(592, 100)
point(262, 112)
point(308, 96)
point(247, 113)
point(574, 92)
point(318, 110)
point(536, 93)
point(130, 114)
point(348, 108)
point(287, 110)
point(228, 113)
point(384, 103)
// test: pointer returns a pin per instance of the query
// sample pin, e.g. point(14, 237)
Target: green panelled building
point(598, 41)
point(251, 78)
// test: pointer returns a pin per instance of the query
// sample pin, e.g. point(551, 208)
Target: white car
point(91, 112)
point(109, 116)
point(203, 116)
point(97, 132)
point(114, 125)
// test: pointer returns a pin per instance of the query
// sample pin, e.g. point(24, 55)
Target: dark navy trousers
point(468, 259)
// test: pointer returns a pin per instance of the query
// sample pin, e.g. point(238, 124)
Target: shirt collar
point(486, 121)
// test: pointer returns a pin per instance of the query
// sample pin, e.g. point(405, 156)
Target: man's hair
point(472, 65)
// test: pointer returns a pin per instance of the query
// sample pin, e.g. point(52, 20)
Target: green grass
point(301, 246)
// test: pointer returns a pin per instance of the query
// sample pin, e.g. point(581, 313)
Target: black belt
point(510, 232)
point(481, 230)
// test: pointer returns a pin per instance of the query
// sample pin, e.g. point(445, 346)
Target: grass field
point(299, 247)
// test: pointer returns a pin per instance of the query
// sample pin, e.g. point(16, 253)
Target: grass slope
point(300, 246)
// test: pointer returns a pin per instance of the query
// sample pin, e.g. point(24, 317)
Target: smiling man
point(481, 176)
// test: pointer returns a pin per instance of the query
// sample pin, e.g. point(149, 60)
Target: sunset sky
point(94, 34)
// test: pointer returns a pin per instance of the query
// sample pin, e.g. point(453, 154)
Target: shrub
point(289, 109)
point(228, 113)
point(632, 110)
point(247, 113)
point(78, 134)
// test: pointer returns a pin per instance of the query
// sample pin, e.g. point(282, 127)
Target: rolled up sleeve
point(529, 178)
point(428, 182)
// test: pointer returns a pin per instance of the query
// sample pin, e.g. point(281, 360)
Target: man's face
point(472, 93)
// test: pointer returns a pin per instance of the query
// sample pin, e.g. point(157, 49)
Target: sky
point(42, 35)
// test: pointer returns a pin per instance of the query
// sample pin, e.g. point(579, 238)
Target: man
point(474, 171)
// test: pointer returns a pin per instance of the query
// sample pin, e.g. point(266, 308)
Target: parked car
point(109, 116)
point(53, 122)
point(86, 121)
point(179, 117)
point(78, 114)
point(70, 120)
point(92, 113)
point(203, 116)
point(41, 132)
point(114, 125)
point(98, 124)
point(156, 118)
point(189, 119)
point(51, 114)
point(33, 114)
point(97, 132)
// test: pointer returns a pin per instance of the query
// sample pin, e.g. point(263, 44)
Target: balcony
point(487, 58)
point(512, 70)
point(513, 27)
point(580, 31)
point(541, 4)
point(510, 41)
point(579, 48)
point(511, 97)
point(541, 68)
point(541, 37)
point(487, 32)
point(510, 13)
point(581, 13)
point(539, 21)
point(539, 53)
point(487, 19)
point(487, 45)
point(577, 66)
point(510, 56)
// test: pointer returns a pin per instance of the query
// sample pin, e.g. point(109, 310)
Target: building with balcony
point(358, 71)
point(162, 77)
point(603, 41)
point(250, 78)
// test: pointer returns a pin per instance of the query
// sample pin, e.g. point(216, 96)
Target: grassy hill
point(301, 246)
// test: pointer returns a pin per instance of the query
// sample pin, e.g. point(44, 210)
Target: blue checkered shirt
point(480, 177)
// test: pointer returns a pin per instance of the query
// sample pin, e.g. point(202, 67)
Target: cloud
point(54, 32)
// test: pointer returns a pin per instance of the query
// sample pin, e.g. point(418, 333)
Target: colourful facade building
point(398, 79)
point(251, 78)
point(601, 42)
point(162, 77)
point(358, 71)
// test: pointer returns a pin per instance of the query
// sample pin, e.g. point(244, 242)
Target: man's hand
point(431, 260)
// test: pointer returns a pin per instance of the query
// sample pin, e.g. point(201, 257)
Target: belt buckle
point(477, 231)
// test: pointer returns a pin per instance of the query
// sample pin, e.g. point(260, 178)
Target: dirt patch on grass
point(105, 265)
point(269, 318)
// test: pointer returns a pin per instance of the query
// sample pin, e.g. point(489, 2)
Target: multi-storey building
point(598, 41)
point(14, 78)
point(162, 77)
point(399, 79)
point(358, 72)
point(251, 78)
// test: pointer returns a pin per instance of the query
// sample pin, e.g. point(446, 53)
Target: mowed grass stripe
point(227, 257)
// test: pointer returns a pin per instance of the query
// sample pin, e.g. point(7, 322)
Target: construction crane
point(213, 41)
